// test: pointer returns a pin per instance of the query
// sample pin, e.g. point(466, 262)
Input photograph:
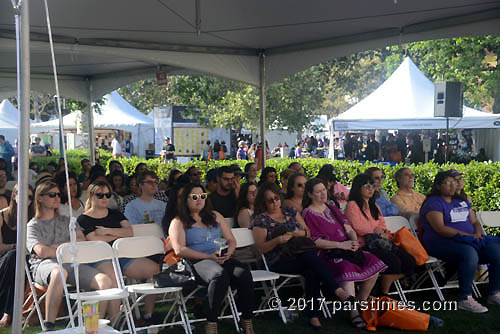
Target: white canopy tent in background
point(9, 121)
point(405, 101)
point(116, 113)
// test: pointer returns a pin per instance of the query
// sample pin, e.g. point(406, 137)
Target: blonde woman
point(100, 223)
point(45, 232)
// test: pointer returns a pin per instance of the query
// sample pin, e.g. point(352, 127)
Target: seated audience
point(245, 205)
point(45, 232)
point(3, 189)
point(223, 199)
point(459, 177)
point(268, 174)
point(271, 219)
point(211, 180)
point(333, 233)
point(367, 220)
point(100, 223)
point(284, 177)
point(339, 191)
point(8, 240)
point(117, 181)
point(406, 199)
point(452, 233)
point(194, 175)
point(295, 192)
point(173, 176)
point(140, 168)
point(381, 197)
point(297, 167)
point(84, 177)
point(145, 209)
point(194, 234)
point(77, 206)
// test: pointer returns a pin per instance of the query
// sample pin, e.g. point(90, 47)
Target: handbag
point(404, 239)
point(375, 241)
point(392, 314)
point(295, 245)
point(357, 257)
point(176, 276)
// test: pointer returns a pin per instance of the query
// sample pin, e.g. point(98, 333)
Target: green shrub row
point(482, 179)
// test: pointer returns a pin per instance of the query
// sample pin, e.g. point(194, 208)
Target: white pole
point(262, 105)
point(23, 90)
point(90, 120)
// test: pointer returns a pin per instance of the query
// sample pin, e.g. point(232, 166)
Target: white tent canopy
point(95, 46)
point(116, 113)
point(9, 121)
point(405, 101)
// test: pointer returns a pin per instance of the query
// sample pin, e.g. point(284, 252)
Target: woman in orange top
point(366, 219)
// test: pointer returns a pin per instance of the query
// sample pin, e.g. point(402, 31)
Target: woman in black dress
point(8, 238)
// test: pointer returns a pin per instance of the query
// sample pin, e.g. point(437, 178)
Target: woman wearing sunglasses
point(295, 192)
point(8, 239)
point(45, 232)
point(366, 219)
point(381, 198)
point(271, 220)
point(100, 223)
point(197, 234)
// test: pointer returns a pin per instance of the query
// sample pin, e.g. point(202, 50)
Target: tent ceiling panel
point(103, 37)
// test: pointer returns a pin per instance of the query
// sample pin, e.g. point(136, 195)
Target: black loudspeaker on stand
point(448, 99)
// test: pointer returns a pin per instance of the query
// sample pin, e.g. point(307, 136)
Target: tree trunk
point(496, 103)
point(36, 108)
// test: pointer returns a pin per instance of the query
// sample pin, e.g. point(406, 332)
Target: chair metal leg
point(435, 283)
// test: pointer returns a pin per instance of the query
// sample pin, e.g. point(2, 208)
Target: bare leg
point(101, 281)
point(54, 294)
point(366, 287)
point(113, 307)
point(143, 269)
point(387, 280)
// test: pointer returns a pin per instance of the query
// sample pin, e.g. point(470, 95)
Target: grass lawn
point(455, 322)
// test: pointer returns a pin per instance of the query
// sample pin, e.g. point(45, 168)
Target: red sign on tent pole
point(161, 78)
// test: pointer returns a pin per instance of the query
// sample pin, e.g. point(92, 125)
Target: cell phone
point(222, 252)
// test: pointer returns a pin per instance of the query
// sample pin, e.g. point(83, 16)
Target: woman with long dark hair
point(77, 205)
point(245, 205)
point(269, 174)
point(174, 175)
point(274, 225)
point(8, 239)
point(197, 233)
point(366, 218)
point(295, 192)
point(251, 172)
point(452, 233)
point(332, 232)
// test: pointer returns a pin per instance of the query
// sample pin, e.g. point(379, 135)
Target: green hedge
point(482, 179)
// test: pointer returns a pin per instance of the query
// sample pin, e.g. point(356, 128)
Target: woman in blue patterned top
point(195, 234)
point(271, 217)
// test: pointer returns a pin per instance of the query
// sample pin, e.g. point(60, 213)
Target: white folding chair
point(149, 229)
point(489, 219)
point(90, 252)
point(36, 301)
point(139, 247)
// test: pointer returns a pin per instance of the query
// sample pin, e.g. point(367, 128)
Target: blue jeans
point(467, 259)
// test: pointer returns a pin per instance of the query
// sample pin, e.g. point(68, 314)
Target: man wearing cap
point(168, 151)
point(38, 150)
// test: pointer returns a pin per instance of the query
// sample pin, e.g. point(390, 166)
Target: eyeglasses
point(379, 177)
point(52, 195)
point(273, 200)
point(195, 197)
point(150, 182)
point(368, 186)
point(102, 195)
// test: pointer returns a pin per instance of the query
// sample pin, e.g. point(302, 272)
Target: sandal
point(358, 322)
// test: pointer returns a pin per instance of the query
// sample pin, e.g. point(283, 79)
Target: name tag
point(459, 215)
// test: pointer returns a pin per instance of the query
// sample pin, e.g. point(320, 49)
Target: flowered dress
point(326, 226)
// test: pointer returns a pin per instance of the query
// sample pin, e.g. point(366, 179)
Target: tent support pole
point(447, 139)
point(262, 104)
point(90, 120)
point(23, 90)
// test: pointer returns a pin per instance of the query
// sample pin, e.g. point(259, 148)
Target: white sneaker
point(494, 299)
point(471, 305)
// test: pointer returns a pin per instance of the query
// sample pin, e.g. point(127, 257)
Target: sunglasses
point(273, 200)
point(368, 186)
point(102, 195)
point(300, 185)
point(378, 177)
point(195, 197)
point(52, 195)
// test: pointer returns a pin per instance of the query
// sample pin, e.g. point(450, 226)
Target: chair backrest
point(395, 223)
point(243, 236)
point(136, 247)
point(489, 218)
point(87, 252)
point(150, 229)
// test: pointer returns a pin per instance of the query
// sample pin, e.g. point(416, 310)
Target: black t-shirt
point(225, 205)
point(112, 220)
point(169, 148)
